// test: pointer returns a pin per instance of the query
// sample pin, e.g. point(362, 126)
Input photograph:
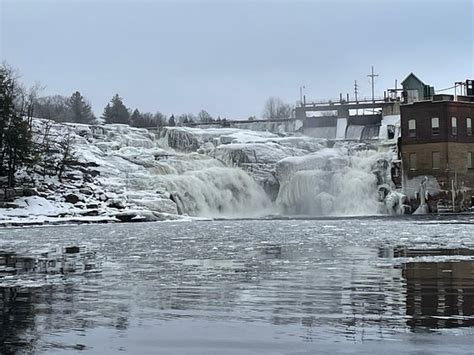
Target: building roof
point(414, 76)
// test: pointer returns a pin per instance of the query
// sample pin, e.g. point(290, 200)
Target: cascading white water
point(226, 173)
point(217, 191)
point(354, 132)
point(330, 182)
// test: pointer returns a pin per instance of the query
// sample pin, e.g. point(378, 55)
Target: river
point(346, 285)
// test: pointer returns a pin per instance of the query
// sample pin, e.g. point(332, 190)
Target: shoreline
point(45, 221)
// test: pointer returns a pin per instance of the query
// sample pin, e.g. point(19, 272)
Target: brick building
point(437, 140)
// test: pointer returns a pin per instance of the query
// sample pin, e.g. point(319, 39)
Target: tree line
point(22, 147)
point(77, 109)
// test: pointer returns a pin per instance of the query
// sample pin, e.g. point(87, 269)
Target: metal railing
point(338, 101)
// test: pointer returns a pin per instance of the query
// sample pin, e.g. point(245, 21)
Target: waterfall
point(226, 172)
point(370, 132)
point(331, 182)
point(212, 192)
point(360, 132)
point(354, 132)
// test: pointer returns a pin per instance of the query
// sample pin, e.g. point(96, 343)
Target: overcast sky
point(229, 56)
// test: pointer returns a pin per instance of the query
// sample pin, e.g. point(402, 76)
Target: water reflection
point(17, 317)
point(439, 294)
point(408, 252)
point(57, 260)
point(326, 282)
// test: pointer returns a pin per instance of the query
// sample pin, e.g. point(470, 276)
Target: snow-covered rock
point(121, 173)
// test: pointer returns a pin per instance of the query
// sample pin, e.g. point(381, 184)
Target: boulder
point(117, 203)
point(72, 198)
point(86, 191)
point(30, 192)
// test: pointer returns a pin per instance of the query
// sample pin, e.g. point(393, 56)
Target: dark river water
point(243, 287)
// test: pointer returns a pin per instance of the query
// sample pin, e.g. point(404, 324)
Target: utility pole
point(301, 95)
point(372, 77)
point(356, 92)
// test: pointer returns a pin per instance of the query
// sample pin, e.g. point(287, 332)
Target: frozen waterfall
point(333, 181)
point(127, 174)
point(213, 192)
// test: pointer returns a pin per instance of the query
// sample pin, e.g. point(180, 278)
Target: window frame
point(469, 126)
point(412, 131)
point(435, 131)
point(433, 154)
point(412, 167)
point(454, 126)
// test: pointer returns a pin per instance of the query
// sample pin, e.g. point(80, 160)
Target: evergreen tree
point(116, 112)
point(15, 131)
point(171, 121)
point(135, 117)
point(107, 113)
point(79, 110)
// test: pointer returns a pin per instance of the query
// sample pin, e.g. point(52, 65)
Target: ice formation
point(130, 174)
point(332, 181)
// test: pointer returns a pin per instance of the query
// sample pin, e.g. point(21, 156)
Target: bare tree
point(52, 108)
point(204, 116)
point(44, 146)
point(67, 153)
point(275, 108)
point(160, 119)
point(186, 119)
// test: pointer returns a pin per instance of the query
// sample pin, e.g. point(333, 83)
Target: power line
point(452, 87)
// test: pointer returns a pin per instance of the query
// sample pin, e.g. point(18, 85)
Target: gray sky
point(229, 56)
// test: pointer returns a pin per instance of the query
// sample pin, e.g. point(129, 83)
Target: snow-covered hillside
point(121, 173)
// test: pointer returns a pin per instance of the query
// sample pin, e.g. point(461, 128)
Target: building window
point(454, 126)
point(435, 126)
point(469, 126)
point(411, 128)
point(469, 160)
point(412, 161)
point(435, 160)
